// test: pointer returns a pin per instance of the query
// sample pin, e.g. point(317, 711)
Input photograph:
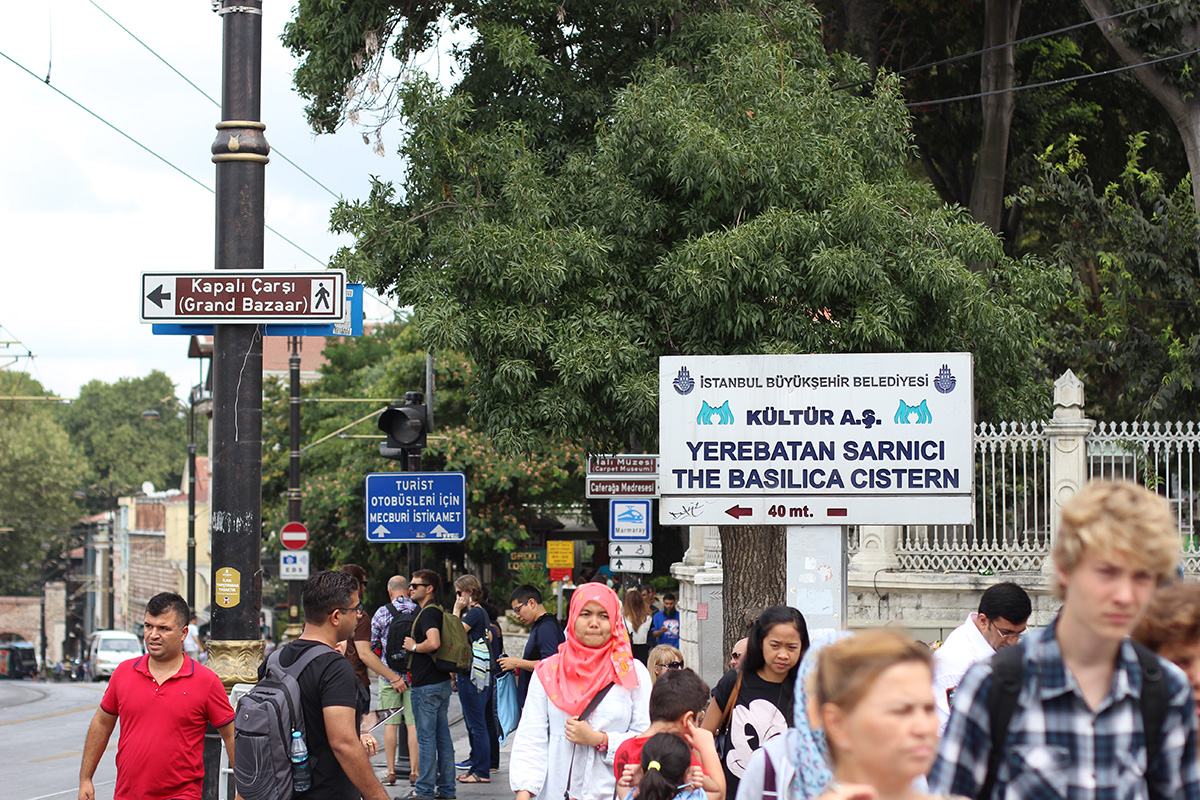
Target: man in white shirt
point(1003, 611)
point(191, 641)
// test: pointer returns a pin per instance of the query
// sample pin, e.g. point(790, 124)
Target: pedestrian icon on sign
point(321, 297)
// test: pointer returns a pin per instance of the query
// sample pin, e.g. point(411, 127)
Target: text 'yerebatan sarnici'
point(876, 438)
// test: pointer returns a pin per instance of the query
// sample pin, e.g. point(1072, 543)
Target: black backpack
point(262, 738)
point(1008, 668)
point(400, 626)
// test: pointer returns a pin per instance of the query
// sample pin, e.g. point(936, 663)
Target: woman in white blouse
point(566, 740)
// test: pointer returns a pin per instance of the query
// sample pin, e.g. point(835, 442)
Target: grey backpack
point(262, 729)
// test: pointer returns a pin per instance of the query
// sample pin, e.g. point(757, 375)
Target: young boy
point(678, 696)
point(1077, 729)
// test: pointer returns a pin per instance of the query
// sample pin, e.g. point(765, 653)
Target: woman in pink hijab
point(583, 703)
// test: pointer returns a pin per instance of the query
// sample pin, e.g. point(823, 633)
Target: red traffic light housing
point(406, 427)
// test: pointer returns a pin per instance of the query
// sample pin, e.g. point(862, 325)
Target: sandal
point(389, 779)
point(471, 777)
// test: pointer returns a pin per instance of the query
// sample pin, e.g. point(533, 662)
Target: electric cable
point(214, 101)
point(920, 105)
point(1015, 42)
point(161, 158)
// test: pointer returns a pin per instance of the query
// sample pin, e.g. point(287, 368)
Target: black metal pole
point(240, 152)
point(412, 463)
point(294, 496)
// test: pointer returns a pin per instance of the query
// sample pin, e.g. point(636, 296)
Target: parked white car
point(109, 648)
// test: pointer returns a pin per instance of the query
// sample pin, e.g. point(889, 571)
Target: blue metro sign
point(416, 507)
point(628, 520)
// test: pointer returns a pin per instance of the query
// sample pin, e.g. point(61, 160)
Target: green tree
point(1131, 326)
point(729, 201)
point(39, 471)
point(503, 490)
point(124, 447)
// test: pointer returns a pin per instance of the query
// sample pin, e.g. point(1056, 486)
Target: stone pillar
point(700, 608)
point(1068, 432)
point(876, 548)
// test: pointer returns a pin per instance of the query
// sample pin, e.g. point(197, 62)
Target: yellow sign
point(560, 555)
point(228, 587)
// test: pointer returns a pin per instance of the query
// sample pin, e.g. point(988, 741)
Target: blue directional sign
point(628, 520)
point(416, 507)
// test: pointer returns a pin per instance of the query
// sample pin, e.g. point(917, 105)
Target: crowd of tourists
point(1100, 702)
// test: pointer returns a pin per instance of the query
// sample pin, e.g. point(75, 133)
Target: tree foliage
point(502, 490)
point(1131, 327)
point(40, 469)
point(123, 447)
point(730, 202)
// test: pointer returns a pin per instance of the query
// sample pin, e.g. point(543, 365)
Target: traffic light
point(406, 427)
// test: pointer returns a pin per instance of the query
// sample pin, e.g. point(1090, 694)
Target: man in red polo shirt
point(165, 701)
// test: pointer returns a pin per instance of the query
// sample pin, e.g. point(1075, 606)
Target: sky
point(84, 211)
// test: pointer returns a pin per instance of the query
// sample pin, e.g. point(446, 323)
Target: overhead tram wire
point(161, 158)
point(214, 101)
point(920, 105)
point(211, 99)
point(1015, 42)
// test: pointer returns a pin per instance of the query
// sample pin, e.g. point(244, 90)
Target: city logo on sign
point(683, 382)
point(722, 413)
point(944, 382)
point(905, 412)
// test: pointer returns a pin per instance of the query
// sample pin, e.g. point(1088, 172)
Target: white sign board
point(293, 565)
point(642, 565)
point(816, 439)
point(630, 549)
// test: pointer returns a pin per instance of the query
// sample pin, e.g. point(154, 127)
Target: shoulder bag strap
point(414, 633)
point(1008, 667)
point(770, 788)
point(587, 712)
point(1154, 704)
point(731, 702)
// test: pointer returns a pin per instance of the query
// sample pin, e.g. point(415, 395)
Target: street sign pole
point(294, 497)
point(240, 153)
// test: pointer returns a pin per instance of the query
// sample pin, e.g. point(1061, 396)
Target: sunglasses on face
point(671, 665)
point(414, 585)
point(358, 609)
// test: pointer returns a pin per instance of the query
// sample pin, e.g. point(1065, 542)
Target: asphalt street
point(43, 727)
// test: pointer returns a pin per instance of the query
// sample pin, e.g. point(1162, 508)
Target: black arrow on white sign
point(158, 295)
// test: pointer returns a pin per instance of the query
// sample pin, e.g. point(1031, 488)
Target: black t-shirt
point(544, 638)
point(477, 619)
point(759, 715)
point(328, 681)
point(424, 671)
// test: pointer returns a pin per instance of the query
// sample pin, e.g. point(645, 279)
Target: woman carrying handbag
point(583, 703)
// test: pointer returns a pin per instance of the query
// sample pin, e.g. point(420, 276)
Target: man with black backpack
point(1077, 709)
point(430, 692)
point(391, 623)
point(329, 691)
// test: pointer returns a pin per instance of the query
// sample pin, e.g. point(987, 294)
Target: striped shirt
point(1058, 747)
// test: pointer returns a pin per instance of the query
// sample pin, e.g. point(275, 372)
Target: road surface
point(42, 729)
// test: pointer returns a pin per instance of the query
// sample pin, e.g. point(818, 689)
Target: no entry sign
point(294, 536)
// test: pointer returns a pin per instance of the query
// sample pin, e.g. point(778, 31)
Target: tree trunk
point(997, 73)
point(1184, 109)
point(754, 560)
point(857, 32)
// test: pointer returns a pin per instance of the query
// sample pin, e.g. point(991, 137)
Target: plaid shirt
point(383, 619)
point(1057, 746)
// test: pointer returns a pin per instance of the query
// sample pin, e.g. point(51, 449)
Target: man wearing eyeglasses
point(545, 635)
point(328, 690)
point(1003, 612)
point(430, 693)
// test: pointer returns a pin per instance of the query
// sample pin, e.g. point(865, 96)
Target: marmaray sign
point(816, 439)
